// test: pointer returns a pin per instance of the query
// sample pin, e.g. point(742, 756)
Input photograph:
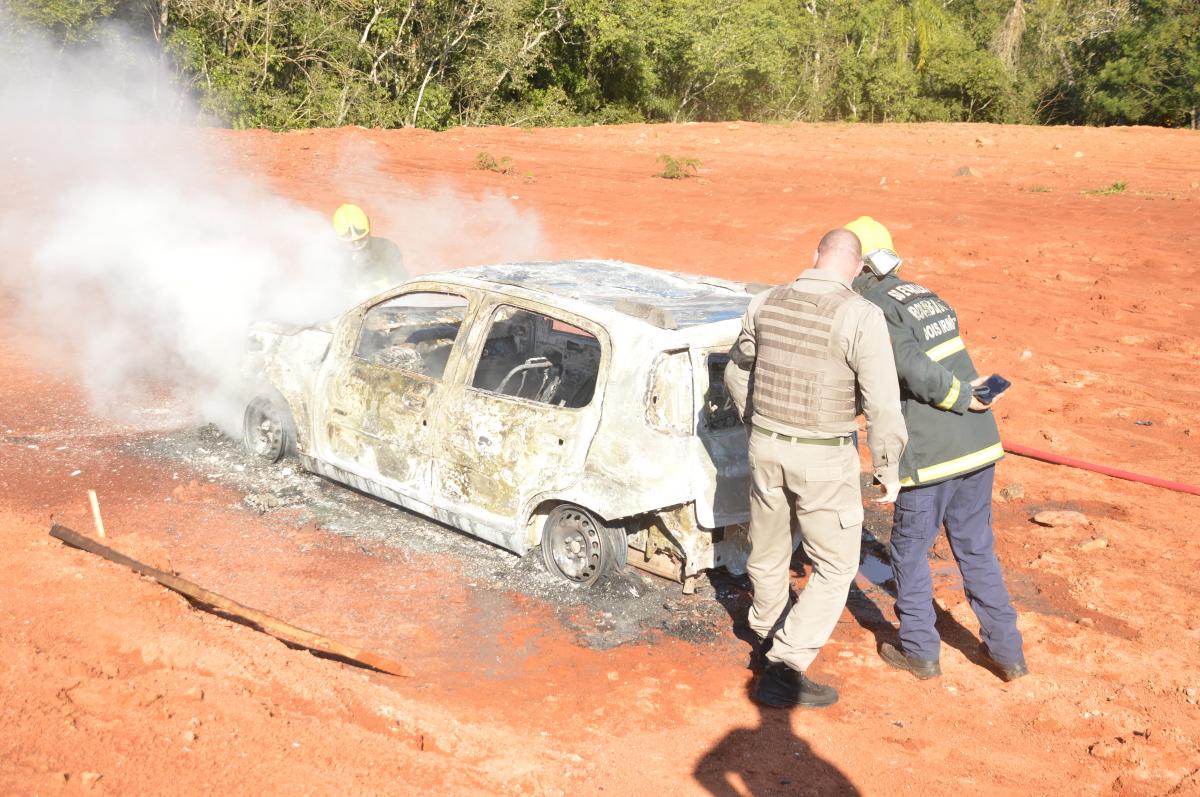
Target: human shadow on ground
point(769, 759)
point(734, 593)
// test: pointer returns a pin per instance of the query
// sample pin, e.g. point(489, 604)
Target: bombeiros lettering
point(927, 308)
point(907, 291)
point(940, 327)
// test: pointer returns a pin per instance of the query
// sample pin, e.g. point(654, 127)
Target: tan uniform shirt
point(860, 335)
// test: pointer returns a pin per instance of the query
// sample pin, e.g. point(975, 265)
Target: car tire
point(579, 547)
point(618, 542)
point(268, 433)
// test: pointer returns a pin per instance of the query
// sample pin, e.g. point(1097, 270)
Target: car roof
point(637, 291)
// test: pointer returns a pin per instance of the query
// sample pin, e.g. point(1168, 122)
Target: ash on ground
point(626, 607)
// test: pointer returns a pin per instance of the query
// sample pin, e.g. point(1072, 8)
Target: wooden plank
point(99, 521)
point(264, 622)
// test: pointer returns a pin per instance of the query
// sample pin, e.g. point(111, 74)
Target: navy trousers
point(964, 505)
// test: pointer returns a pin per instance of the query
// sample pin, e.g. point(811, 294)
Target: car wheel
point(578, 546)
point(618, 542)
point(267, 429)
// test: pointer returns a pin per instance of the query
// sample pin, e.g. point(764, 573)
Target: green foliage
point(1116, 188)
point(1147, 71)
point(438, 63)
point(677, 168)
point(487, 162)
point(66, 21)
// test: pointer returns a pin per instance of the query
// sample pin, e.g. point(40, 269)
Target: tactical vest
point(799, 378)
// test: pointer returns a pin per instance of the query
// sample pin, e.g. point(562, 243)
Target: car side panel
point(492, 452)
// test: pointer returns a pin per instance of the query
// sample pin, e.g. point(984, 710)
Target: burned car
point(576, 407)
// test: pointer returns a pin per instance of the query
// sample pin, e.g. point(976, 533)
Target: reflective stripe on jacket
point(945, 439)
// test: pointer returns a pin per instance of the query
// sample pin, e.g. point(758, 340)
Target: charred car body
point(574, 406)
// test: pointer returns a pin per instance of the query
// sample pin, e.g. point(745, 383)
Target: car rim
point(576, 545)
point(265, 434)
point(266, 439)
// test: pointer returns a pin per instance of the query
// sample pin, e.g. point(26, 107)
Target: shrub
point(677, 168)
point(1116, 188)
point(487, 162)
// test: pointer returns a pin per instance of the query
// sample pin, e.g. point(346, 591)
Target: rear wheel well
point(537, 520)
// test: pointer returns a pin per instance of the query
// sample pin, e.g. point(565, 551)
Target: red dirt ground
point(1085, 301)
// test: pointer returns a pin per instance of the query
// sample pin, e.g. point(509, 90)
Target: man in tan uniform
point(811, 354)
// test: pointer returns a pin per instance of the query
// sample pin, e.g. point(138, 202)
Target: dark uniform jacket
point(945, 439)
point(379, 265)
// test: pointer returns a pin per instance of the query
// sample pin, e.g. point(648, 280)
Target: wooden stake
point(264, 622)
point(96, 513)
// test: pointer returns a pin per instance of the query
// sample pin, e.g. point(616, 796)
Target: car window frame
point(485, 317)
point(450, 372)
point(705, 420)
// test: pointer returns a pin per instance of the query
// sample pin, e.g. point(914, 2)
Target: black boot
point(758, 654)
point(1008, 672)
point(921, 668)
point(782, 687)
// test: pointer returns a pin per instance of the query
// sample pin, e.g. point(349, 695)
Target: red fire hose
point(1046, 456)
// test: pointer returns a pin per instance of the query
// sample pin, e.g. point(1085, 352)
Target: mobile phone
point(994, 386)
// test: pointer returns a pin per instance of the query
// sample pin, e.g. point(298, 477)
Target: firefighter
point(946, 472)
point(376, 263)
point(809, 355)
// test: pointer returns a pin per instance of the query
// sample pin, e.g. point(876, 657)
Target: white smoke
point(436, 226)
point(136, 241)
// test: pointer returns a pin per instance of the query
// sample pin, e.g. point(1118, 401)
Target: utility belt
point(807, 441)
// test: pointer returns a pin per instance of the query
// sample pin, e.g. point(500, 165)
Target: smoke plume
point(139, 245)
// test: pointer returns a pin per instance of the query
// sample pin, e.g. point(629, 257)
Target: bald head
point(839, 252)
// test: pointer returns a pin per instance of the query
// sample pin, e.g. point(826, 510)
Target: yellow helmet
point(871, 234)
point(351, 223)
point(878, 251)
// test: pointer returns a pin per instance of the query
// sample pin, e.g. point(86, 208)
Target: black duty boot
point(1008, 672)
point(782, 687)
point(758, 655)
point(921, 668)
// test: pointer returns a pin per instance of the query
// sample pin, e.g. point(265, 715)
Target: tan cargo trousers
point(820, 486)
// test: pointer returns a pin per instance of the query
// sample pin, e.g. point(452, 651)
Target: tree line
point(285, 64)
